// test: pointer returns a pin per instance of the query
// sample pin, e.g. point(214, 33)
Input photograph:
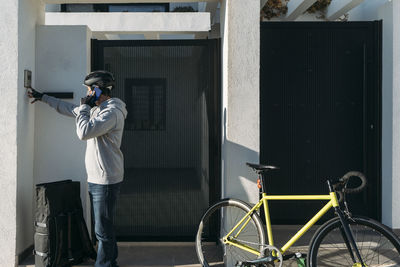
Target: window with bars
point(146, 104)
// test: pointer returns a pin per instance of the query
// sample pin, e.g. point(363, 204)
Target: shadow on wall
point(238, 180)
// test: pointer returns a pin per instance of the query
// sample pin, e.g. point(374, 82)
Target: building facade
point(39, 145)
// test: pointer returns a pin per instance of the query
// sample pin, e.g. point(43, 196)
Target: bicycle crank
point(274, 258)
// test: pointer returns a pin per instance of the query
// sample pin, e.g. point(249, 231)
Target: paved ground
point(183, 254)
point(154, 255)
point(177, 254)
point(149, 254)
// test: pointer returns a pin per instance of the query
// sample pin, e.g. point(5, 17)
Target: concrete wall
point(17, 46)
point(53, 8)
point(368, 10)
point(389, 12)
point(396, 116)
point(240, 42)
point(134, 22)
point(30, 13)
point(8, 130)
point(62, 61)
point(240, 30)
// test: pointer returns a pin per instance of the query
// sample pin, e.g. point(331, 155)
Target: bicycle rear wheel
point(221, 218)
point(377, 244)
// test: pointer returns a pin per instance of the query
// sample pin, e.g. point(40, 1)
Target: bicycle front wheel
point(377, 244)
point(216, 223)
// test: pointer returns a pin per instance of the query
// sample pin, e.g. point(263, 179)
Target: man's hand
point(88, 100)
point(34, 94)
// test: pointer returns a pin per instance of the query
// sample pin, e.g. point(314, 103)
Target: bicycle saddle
point(260, 167)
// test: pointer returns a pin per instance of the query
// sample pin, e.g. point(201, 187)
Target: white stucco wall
point(240, 29)
point(396, 116)
point(62, 62)
point(134, 22)
point(387, 116)
point(30, 13)
point(368, 10)
point(53, 8)
point(17, 46)
point(8, 130)
point(389, 12)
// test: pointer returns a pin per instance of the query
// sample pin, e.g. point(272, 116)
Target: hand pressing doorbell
point(27, 79)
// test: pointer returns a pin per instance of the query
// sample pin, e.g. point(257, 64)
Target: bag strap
point(41, 254)
point(59, 239)
point(69, 237)
point(39, 224)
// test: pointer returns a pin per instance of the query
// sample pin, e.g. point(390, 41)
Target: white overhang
point(339, 8)
point(262, 3)
point(297, 7)
point(137, 22)
point(119, 1)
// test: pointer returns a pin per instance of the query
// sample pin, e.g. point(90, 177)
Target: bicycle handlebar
point(358, 189)
point(341, 184)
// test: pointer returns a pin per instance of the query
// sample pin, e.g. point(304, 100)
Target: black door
point(320, 111)
point(171, 141)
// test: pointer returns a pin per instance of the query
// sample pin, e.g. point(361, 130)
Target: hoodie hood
point(115, 103)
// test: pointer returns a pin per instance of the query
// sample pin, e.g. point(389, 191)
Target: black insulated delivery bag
point(61, 236)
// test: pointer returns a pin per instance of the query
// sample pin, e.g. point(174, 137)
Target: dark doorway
point(171, 141)
point(320, 111)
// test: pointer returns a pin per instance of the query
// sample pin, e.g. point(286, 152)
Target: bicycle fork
point(349, 239)
point(346, 232)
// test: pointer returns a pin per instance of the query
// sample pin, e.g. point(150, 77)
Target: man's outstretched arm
point(62, 107)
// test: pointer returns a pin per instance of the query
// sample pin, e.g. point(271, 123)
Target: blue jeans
point(103, 198)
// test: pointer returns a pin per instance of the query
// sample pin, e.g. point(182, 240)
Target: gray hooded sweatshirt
point(102, 128)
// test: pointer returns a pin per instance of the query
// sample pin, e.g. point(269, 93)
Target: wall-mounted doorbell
point(27, 78)
point(28, 84)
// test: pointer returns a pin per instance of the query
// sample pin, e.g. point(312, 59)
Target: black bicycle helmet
point(102, 78)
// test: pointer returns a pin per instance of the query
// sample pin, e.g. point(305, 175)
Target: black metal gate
point(320, 111)
point(171, 141)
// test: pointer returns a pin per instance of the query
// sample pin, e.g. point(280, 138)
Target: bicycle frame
point(333, 202)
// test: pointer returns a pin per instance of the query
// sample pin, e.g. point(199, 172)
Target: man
point(100, 121)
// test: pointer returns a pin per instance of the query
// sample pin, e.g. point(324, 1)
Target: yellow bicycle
point(345, 240)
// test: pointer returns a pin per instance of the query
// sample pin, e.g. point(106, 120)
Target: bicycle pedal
point(294, 256)
point(257, 262)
